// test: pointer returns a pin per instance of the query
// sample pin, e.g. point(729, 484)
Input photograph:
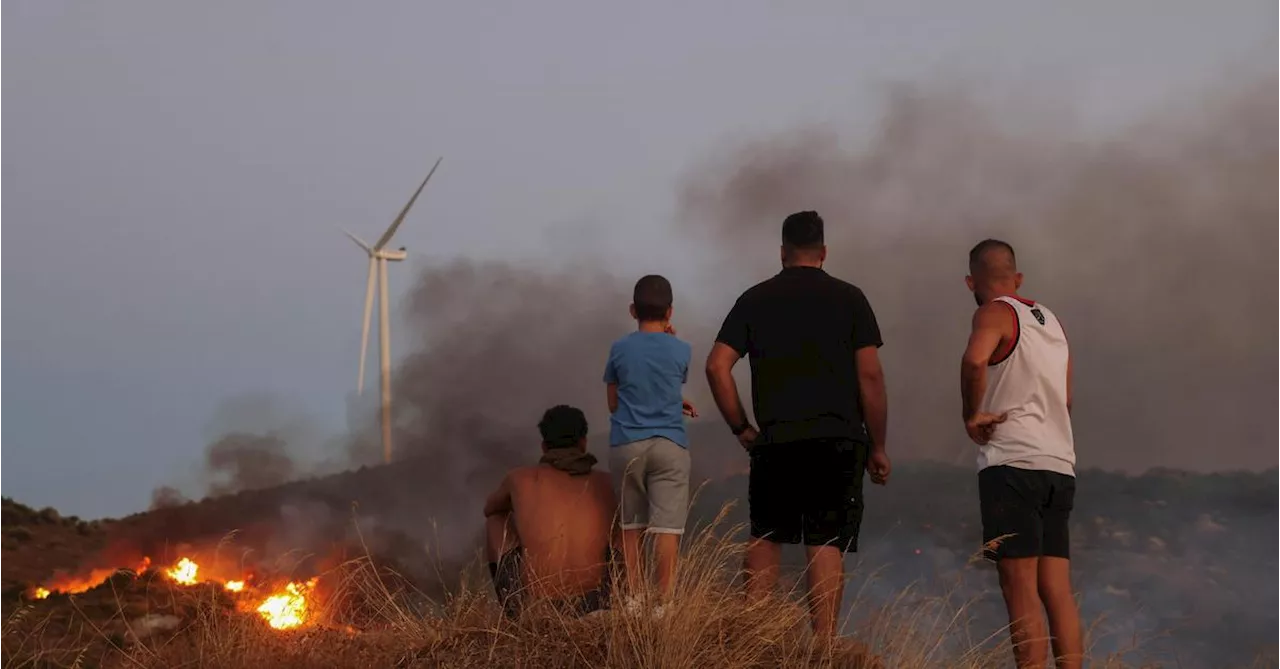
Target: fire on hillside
point(284, 607)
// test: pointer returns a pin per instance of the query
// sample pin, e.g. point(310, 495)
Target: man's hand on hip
point(982, 425)
point(748, 437)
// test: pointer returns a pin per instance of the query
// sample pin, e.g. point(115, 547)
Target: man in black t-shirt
point(817, 390)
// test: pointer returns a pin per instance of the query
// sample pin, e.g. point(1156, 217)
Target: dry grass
point(369, 617)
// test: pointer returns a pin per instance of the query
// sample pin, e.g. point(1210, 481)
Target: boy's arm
point(688, 408)
point(499, 501)
point(611, 381)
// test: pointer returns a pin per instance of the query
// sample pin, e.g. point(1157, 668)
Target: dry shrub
point(369, 615)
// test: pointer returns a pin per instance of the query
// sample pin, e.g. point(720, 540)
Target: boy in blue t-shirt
point(649, 450)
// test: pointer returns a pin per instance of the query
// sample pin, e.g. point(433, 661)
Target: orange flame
point(184, 572)
point(287, 609)
point(74, 585)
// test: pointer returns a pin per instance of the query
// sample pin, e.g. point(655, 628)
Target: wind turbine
point(379, 256)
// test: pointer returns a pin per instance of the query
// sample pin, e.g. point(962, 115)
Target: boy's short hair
point(803, 231)
point(652, 298)
point(563, 426)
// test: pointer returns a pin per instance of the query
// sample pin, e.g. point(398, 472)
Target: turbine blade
point(364, 334)
point(386, 236)
point(358, 242)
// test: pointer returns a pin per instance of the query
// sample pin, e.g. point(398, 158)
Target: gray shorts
point(652, 477)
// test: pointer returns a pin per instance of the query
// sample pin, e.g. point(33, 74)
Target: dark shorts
point(807, 492)
point(509, 587)
point(1031, 505)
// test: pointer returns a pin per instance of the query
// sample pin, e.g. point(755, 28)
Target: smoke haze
point(1153, 244)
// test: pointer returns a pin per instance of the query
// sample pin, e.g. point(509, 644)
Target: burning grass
point(282, 606)
point(196, 613)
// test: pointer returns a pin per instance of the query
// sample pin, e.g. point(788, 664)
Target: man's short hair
point(652, 298)
point(803, 231)
point(977, 252)
point(563, 426)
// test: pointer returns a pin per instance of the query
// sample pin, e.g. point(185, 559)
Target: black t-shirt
point(800, 330)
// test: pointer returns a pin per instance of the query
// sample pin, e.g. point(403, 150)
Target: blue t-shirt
point(649, 368)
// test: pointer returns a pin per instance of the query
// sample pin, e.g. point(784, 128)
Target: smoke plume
point(166, 497)
point(501, 343)
point(1152, 243)
point(240, 461)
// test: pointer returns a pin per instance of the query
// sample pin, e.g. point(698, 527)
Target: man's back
point(564, 523)
point(800, 330)
point(1029, 385)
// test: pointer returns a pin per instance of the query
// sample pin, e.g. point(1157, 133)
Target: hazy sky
point(176, 171)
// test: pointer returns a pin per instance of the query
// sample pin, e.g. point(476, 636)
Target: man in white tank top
point(1016, 388)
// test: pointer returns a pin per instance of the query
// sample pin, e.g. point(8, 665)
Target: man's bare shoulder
point(993, 314)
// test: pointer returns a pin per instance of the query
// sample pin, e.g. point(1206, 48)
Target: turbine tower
point(379, 256)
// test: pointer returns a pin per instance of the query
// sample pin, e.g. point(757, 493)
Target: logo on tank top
point(1035, 311)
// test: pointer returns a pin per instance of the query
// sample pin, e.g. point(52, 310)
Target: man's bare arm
point(990, 323)
point(724, 389)
point(611, 395)
point(499, 502)
point(1064, 334)
point(1068, 384)
point(874, 398)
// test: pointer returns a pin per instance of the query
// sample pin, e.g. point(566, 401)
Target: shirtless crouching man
point(548, 526)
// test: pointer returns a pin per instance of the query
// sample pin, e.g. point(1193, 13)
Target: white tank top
point(1030, 384)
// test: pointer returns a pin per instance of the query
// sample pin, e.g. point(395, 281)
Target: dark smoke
point(166, 497)
point(502, 343)
point(1154, 245)
point(240, 461)
point(253, 442)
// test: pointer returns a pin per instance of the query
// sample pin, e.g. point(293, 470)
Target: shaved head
point(991, 254)
point(993, 271)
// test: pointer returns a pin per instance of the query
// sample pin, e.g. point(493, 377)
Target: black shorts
point(1032, 505)
point(509, 587)
point(807, 492)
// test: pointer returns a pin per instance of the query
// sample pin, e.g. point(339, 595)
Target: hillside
point(1168, 564)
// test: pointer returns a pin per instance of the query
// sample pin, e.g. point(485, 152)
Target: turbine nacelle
point(394, 256)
